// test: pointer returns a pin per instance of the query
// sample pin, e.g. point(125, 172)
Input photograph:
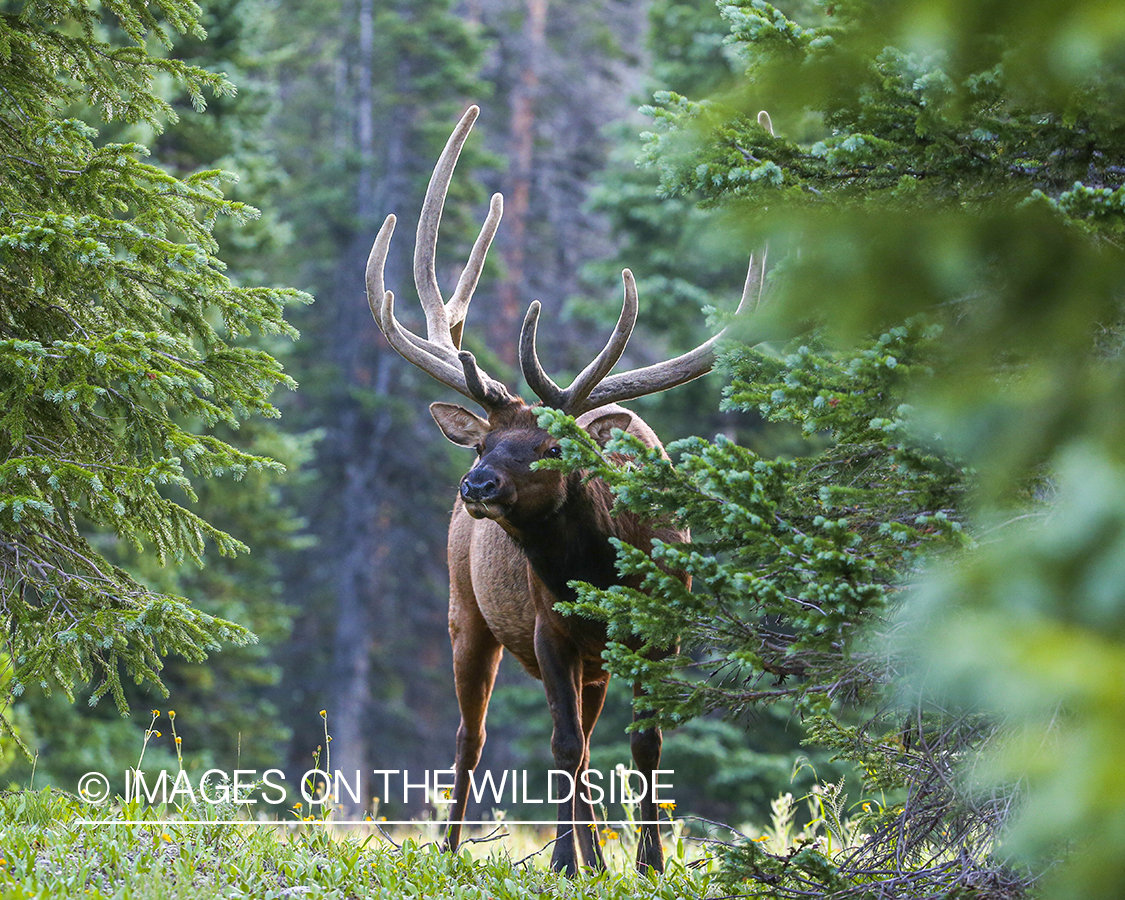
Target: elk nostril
point(479, 485)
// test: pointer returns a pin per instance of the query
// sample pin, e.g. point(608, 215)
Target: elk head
point(504, 484)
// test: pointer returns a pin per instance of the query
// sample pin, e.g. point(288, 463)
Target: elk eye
point(553, 452)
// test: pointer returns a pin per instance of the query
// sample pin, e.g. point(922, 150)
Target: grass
point(54, 844)
point(45, 852)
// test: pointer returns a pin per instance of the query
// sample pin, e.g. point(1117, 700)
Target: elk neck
point(571, 542)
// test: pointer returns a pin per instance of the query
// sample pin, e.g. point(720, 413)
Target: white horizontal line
point(380, 823)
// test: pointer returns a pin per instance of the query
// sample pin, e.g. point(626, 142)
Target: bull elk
point(521, 533)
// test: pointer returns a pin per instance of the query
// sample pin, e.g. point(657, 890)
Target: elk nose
point(481, 485)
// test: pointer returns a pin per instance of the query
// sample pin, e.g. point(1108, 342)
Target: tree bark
point(356, 577)
point(523, 133)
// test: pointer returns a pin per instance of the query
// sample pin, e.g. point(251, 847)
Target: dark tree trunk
point(523, 133)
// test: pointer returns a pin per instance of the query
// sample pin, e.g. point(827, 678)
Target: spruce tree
point(687, 261)
point(124, 347)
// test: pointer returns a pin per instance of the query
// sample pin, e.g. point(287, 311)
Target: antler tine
point(589, 377)
point(381, 302)
point(458, 371)
point(425, 246)
point(458, 304)
point(486, 391)
point(376, 264)
point(427, 356)
point(437, 353)
point(755, 277)
point(539, 381)
point(586, 380)
point(664, 375)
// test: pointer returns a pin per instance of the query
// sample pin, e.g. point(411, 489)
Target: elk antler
point(439, 354)
point(593, 387)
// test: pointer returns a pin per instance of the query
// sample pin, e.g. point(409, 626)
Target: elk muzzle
point(486, 492)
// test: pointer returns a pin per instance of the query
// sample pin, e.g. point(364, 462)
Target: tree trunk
point(523, 133)
point(356, 577)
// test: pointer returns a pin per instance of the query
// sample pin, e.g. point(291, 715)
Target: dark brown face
point(503, 483)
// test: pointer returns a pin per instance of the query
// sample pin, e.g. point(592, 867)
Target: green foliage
point(1031, 633)
point(960, 165)
point(116, 81)
point(797, 565)
point(123, 345)
point(862, 121)
point(789, 557)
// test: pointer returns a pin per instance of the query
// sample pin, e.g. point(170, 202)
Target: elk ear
point(601, 428)
point(464, 428)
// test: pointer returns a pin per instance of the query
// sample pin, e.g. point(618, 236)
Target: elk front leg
point(645, 746)
point(561, 668)
point(476, 655)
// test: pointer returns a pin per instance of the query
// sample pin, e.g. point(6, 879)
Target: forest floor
point(49, 848)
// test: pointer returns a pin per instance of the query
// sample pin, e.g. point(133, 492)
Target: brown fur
point(507, 572)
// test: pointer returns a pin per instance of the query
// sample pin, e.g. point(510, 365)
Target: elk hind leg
point(645, 746)
point(593, 699)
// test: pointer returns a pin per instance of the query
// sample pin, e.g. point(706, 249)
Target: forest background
point(947, 216)
point(340, 111)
